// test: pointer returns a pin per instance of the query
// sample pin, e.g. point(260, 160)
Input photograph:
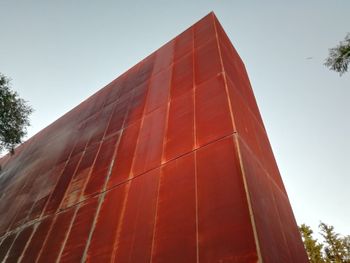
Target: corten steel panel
point(180, 132)
point(6, 245)
point(58, 233)
point(224, 228)
point(175, 236)
point(134, 237)
point(37, 240)
point(78, 235)
point(19, 244)
point(100, 247)
point(170, 162)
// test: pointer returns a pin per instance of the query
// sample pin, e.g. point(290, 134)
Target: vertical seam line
point(128, 184)
point(251, 213)
point(224, 75)
point(163, 149)
point(195, 144)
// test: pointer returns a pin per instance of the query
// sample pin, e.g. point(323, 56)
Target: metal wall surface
point(170, 162)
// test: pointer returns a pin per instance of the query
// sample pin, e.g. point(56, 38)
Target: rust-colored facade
point(170, 162)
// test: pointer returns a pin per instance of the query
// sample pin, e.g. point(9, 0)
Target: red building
point(170, 162)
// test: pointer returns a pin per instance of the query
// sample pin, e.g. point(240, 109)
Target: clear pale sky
point(60, 52)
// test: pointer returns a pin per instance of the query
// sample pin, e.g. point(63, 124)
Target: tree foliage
point(335, 246)
point(14, 113)
point(334, 249)
point(312, 246)
point(339, 57)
